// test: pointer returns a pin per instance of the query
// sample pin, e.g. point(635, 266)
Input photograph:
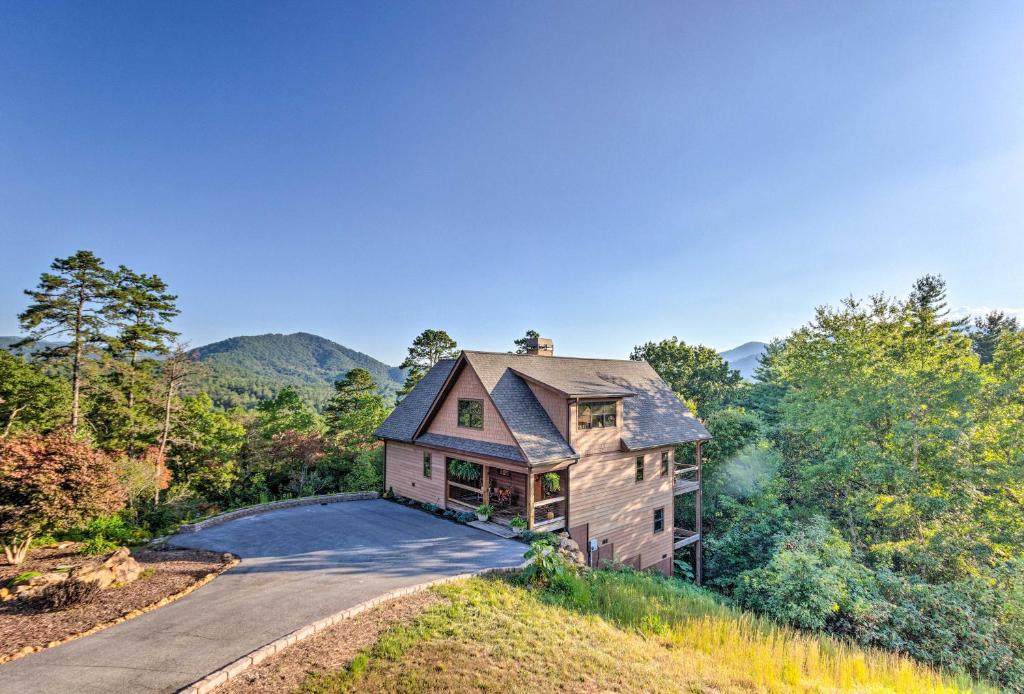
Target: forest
point(867, 484)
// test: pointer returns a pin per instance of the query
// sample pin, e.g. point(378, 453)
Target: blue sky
point(607, 173)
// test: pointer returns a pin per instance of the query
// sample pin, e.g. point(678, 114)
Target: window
point(664, 463)
point(596, 415)
point(659, 520)
point(471, 414)
point(427, 471)
point(640, 469)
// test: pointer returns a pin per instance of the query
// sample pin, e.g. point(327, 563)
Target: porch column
point(529, 501)
point(699, 552)
point(485, 490)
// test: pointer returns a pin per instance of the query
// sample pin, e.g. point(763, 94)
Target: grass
point(605, 631)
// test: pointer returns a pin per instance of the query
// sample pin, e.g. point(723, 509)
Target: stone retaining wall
point(274, 506)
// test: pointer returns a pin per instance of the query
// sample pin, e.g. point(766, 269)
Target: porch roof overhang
point(496, 452)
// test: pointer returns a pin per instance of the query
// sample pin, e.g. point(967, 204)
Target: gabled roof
point(652, 414)
point(405, 419)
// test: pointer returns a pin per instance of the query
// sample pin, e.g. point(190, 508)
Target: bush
point(51, 483)
point(69, 593)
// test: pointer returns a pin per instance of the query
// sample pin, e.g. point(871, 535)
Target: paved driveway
point(298, 565)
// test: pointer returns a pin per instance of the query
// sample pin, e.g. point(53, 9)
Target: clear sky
point(607, 173)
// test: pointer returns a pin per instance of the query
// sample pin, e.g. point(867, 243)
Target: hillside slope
point(243, 370)
point(622, 632)
point(745, 358)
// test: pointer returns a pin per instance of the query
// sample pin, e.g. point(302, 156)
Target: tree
point(521, 342)
point(141, 307)
point(987, 331)
point(355, 411)
point(177, 369)
point(204, 447)
point(697, 374)
point(51, 483)
point(74, 302)
point(29, 399)
point(429, 347)
point(285, 411)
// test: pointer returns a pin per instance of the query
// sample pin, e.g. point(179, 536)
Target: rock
point(120, 567)
point(35, 585)
point(5, 594)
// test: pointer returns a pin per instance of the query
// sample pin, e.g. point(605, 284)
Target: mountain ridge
point(745, 358)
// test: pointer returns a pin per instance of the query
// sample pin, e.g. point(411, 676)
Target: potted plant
point(551, 483)
point(484, 511)
point(518, 524)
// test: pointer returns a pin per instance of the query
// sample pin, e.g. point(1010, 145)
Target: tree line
point(869, 483)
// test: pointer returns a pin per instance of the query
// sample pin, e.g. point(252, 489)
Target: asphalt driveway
point(298, 565)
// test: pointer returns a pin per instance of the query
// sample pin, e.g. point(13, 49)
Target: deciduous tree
point(51, 483)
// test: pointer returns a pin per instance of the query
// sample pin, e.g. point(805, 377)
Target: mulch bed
point(329, 650)
point(24, 625)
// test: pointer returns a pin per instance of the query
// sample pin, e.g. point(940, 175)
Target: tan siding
point(446, 421)
point(617, 508)
point(405, 473)
point(555, 404)
point(587, 441)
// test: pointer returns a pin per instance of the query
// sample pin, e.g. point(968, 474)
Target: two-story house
point(584, 445)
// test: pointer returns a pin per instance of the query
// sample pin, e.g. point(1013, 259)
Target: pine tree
point(429, 347)
point(73, 301)
point(142, 307)
point(521, 342)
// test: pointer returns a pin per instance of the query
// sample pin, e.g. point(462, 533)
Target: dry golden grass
point(613, 632)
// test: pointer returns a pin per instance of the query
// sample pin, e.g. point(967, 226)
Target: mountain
point(745, 358)
point(244, 370)
point(6, 342)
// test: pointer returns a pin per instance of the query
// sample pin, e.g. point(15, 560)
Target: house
point(582, 445)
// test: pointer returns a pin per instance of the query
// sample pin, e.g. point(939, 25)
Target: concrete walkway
point(298, 565)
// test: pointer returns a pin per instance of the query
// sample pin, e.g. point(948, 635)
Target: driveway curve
point(298, 565)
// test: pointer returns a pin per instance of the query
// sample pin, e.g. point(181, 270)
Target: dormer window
point(471, 414)
point(596, 415)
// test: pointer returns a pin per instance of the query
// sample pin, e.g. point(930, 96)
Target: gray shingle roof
point(403, 421)
point(471, 446)
point(652, 414)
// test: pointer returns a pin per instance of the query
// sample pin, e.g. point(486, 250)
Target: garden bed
point(25, 627)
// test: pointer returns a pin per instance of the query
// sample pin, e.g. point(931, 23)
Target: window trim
point(590, 404)
point(428, 465)
point(657, 520)
point(665, 463)
point(640, 464)
point(458, 413)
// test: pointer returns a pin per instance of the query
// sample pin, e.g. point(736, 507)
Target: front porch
point(541, 499)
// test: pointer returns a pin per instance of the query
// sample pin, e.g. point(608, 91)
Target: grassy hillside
point(613, 631)
point(244, 370)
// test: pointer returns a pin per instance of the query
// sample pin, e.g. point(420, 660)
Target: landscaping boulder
point(34, 585)
point(120, 567)
point(570, 549)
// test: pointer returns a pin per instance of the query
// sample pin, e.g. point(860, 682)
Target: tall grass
point(777, 657)
point(613, 631)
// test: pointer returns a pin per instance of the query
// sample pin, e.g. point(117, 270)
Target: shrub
point(546, 567)
point(51, 483)
point(60, 596)
point(98, 545)
point(465, 516)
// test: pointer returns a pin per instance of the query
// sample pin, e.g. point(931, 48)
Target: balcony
point(686, 479)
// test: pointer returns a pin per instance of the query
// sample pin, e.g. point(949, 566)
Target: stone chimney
point(540, 347)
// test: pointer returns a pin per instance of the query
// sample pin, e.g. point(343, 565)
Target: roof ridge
point(513, 354)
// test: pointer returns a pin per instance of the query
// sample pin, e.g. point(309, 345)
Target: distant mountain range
point(745, 358)
point(241, 371)
point(244, 370)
